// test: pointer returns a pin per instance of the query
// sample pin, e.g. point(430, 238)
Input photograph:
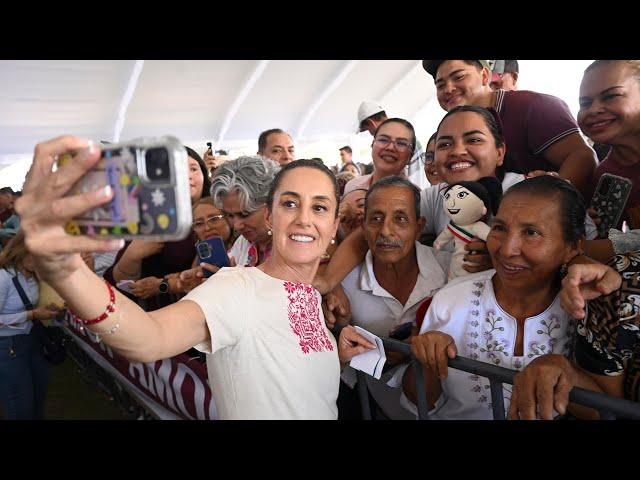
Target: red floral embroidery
point(304, 318)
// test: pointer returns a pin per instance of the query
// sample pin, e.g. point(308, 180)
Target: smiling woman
point(512, 313)
point(240, 315)
point(393, 145)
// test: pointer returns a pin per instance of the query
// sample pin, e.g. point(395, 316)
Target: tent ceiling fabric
point(192, 99)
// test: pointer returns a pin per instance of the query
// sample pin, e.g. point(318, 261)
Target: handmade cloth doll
point(465, 203)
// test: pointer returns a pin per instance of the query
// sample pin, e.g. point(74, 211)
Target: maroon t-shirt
point(631, 212)
point(531, 122)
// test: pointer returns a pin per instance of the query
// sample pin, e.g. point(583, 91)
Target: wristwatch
point(164, 286)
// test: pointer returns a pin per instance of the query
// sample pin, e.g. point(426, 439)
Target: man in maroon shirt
point(539, 130)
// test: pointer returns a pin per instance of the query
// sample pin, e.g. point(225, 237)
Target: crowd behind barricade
point(482, 245)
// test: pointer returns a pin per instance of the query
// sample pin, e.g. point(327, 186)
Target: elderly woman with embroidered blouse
point(270, 354)
point(509, 315)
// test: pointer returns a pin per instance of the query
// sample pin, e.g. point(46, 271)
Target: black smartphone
point(609, 201)
point(402, 331)
point(213, 252)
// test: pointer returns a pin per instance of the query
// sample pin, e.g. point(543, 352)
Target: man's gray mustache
point(388, 243)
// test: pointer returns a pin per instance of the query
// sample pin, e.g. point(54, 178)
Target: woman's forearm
point(136, 335)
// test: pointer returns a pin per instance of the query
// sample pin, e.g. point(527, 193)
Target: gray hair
point(395, 181)
point(249, 177)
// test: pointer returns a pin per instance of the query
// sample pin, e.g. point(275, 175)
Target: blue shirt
point(13, 314)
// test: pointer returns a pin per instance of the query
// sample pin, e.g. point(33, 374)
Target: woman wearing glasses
point(392, 148)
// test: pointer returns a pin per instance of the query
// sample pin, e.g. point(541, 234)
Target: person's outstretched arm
point(44, 210)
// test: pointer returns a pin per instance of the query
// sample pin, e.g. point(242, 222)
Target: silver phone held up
point(150, 181)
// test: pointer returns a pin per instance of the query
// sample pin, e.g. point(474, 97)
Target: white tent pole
point(255, 76)
point(335, 83)
point(126, 99)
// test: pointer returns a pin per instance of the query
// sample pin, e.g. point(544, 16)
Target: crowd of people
point(316, 251)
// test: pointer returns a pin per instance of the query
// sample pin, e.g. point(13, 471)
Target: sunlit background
point(556, 77)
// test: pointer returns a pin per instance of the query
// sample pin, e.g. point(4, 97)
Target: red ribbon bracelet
point(111, 307)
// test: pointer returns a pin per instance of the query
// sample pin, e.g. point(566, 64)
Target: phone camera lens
point(605, 186)
point(157, 164)
point(204, 251)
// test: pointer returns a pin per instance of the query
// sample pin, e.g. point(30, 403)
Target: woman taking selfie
point(269, 353)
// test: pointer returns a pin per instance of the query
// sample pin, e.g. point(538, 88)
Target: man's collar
point(426, 266)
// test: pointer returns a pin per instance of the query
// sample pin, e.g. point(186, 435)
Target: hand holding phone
point(149, 178)
point(213, 252)
point(609, 201)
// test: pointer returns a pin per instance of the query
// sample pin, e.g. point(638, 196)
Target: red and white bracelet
point(111, 307)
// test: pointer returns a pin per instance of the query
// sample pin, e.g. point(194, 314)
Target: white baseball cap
point(367, 109)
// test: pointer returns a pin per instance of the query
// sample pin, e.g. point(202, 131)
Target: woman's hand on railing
point(586, 282)
point(542, 386)
point(351, 343)
point(434, 349)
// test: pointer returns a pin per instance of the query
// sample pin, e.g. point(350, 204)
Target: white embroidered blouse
point(467, 310)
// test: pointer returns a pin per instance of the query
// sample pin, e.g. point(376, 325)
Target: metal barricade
point(609, 407)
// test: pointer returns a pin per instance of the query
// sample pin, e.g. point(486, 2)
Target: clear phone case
point(150, 180)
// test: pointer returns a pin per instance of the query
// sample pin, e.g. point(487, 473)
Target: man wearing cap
point(539, 130)
point(504, 75)
point(370, 116)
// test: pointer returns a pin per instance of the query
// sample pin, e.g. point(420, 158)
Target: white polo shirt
point(376, 310)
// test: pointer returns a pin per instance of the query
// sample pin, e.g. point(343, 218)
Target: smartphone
point(401, 332)
point(213, 252)
point(609, 201)
point(150, 181)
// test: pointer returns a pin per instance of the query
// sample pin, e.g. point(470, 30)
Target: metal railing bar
point(608, 406)
point(363, 394)
point(421, 391)
point(497, 400)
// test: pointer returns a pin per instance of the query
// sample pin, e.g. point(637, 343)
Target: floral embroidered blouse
point(467, 310)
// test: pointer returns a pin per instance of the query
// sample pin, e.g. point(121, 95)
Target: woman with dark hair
point(269, 352)
point(509, 315)
point(155, 266)
point(393, 145)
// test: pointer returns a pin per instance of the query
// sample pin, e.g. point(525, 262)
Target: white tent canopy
point(227, 102)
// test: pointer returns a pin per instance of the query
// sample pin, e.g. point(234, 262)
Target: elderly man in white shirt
point(396, 277)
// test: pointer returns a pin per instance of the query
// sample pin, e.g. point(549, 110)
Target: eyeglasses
point(211, 221)
point(400, 144)
point(428, 158)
